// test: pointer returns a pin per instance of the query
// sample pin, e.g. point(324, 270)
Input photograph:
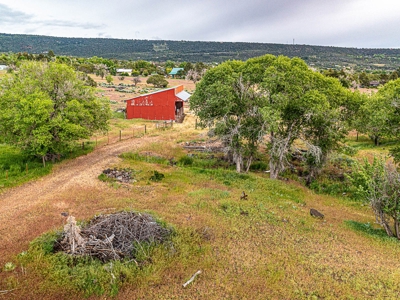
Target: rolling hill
point(193, 51)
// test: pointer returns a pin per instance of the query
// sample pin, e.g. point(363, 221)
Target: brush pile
point(111, 237)
point(121, 175)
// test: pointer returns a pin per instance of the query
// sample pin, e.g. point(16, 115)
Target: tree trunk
point(44, 162)
point(385, 225)
point(387, 229)
point(237, 157)
point(238, 166)
point(376, 140)
point(357, 137)
point(249, 161)
point(273, 170)
point(397, 228)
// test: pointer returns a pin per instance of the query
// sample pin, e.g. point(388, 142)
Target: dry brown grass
point(275, 251)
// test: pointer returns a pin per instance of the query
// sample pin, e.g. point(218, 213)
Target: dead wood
point(315, 213)
point(192, 278)
point(111, 237)
point(243, 196)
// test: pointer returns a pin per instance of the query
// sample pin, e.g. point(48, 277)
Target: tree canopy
point(46, 107)
point(157, 81)
point(243, 101)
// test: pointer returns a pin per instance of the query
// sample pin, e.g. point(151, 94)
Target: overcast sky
point(347, 23)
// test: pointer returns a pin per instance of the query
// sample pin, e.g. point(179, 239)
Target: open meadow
point(264, 246)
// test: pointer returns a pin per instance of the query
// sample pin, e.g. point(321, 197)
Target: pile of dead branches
point(111, 237)
point(121, 175)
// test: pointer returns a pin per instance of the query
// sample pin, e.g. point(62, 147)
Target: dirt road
point(33, 208)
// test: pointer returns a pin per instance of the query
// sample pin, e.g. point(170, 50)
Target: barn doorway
point(179, 113)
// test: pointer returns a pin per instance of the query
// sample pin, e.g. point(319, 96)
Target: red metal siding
point(155, 106)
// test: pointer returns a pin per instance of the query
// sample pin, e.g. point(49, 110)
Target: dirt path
point(33, 208)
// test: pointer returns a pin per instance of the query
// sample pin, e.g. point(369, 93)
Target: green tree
point(135, 73)
point(109, 78)
point(50, 53)
point(101, 70)
point(229, 104)
point(45, 108)
point(379, 184)
point(169, 64)
point(364, 79)
point(302, 105)
point(393, 76)
point(382, 112)
point(241, 102)
point(157, 81)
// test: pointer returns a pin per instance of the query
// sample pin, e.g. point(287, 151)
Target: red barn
point(161, 105)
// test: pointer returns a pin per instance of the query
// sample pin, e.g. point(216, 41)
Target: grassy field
point(265, 247)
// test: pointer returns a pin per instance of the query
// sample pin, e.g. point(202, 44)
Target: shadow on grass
point(368, 230)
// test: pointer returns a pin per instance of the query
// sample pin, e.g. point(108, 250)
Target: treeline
point(104, 66)
point(277, 109)
point(196, 51)
point(349, 77)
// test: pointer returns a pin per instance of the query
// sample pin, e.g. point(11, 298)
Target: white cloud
point(353, 23)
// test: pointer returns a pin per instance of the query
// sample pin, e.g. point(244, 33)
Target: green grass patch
point(204, 160)
point(17, 168)
point(134, 156)
point(368, 230)
point(365, 143)
point(118, 115)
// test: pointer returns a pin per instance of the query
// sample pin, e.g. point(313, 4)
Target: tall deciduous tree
point(45, 108)
point(302, 105)
point(157, 81)
point(278, 95)
point(381, 112)
point(229, 104)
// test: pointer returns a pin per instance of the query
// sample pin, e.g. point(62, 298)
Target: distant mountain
point(161, 50)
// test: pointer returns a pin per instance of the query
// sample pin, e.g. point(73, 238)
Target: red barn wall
point(155, 106)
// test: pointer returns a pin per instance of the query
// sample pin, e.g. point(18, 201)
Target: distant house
point(174, 72)
point(120, 71)
point(3, 67)
point(374, 83)
point(165, 104)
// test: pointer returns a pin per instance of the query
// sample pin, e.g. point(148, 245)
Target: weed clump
point(121, 175)
point(157, 176)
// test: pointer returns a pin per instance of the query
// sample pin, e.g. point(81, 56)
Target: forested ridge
point(193, 51)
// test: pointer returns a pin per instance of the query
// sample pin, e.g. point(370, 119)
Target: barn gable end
point(160, 105)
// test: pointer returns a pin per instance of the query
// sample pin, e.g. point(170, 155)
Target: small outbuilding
point(119, 71)
point(374, 83)
point(165, 104)
point(175, 71)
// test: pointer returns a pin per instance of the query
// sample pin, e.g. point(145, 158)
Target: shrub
point(185, 161)
point(380, 184)
point(157, 81)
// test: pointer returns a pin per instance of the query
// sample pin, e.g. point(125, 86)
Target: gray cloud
point(351, 23)
point(10, 16)
point(72, 24)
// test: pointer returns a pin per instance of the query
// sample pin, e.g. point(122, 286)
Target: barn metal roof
point(175, 71)
point(124, 70)
point(184, 96)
